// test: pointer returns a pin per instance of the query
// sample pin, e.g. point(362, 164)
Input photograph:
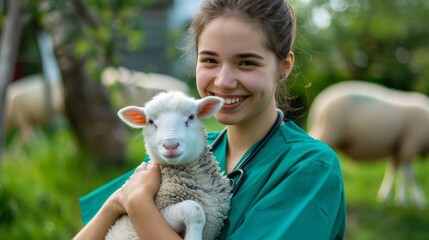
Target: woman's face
point(235, 64)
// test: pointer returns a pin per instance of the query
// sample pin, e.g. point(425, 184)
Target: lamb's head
point(171, 125)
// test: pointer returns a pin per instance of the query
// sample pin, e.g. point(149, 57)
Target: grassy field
point(367, 219)
point(40, 186)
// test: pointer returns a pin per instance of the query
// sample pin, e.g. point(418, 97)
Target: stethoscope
point(239, 171)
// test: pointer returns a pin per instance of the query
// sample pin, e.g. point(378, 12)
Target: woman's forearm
point(134, 198)
point(98, 227)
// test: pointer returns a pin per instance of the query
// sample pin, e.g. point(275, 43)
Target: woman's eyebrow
point(207, 52)
point(250, 55)
point(240, 55)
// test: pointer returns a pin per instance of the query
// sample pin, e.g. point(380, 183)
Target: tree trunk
point(87, 103)
point(8, 52)
point(89, 111)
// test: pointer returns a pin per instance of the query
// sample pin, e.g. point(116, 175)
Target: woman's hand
point(142, 186)
point(137, 192)
point(136, 198)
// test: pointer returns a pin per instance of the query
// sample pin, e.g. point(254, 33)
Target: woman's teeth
point(233, 100)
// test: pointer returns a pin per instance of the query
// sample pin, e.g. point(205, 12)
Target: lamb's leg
point(385, 190)
point(187, 216)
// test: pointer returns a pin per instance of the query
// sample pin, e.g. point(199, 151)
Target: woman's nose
point(225, 79)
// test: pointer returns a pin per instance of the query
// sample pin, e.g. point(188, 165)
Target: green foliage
point(40, 186)
point(379, 41)
point(109, 27)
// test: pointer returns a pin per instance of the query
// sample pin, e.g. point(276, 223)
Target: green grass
point(367, 218)
point(40, 186)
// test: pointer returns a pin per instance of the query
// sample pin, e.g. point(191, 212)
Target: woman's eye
point(247, 63)
point(208, 60)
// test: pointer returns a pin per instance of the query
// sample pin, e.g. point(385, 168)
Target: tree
point(379, 41)
point(85, 42)
point(11, 34)
point(87, 104)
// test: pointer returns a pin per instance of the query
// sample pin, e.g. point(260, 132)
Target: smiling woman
point(293, 182)
point(244, 55)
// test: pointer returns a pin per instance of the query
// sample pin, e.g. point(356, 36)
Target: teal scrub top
point(293, 190)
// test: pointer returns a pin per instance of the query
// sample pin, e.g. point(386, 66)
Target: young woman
point(287, 185)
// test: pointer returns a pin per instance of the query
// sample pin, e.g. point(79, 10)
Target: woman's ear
point(287, 65)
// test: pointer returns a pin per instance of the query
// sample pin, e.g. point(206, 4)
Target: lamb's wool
point(199, 181)
point(127, 230)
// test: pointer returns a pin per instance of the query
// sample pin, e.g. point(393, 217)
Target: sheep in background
point(175, 138)
point(138, 86)
point(26, 105)
point(368, 121)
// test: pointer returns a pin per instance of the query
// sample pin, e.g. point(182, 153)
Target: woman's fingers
point(142, 167)
point(145, 167)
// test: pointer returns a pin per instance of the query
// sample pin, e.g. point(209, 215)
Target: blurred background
point(66, 67)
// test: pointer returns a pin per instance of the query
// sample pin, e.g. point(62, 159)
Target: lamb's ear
point(133, 116)
point(209, 106)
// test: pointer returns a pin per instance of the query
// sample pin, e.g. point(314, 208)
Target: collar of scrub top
point(239, 171)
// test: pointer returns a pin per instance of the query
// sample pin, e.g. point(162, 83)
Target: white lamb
point(367, 121)
point(193, 196)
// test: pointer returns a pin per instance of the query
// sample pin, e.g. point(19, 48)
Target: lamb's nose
point(170, 146)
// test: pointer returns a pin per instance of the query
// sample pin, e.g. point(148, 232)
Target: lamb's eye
point(190, 118)
point(150, 122)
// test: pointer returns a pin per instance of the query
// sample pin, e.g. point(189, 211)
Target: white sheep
point(138, 86)
point(193, 196)
point(367, 121)
point(26, 105)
